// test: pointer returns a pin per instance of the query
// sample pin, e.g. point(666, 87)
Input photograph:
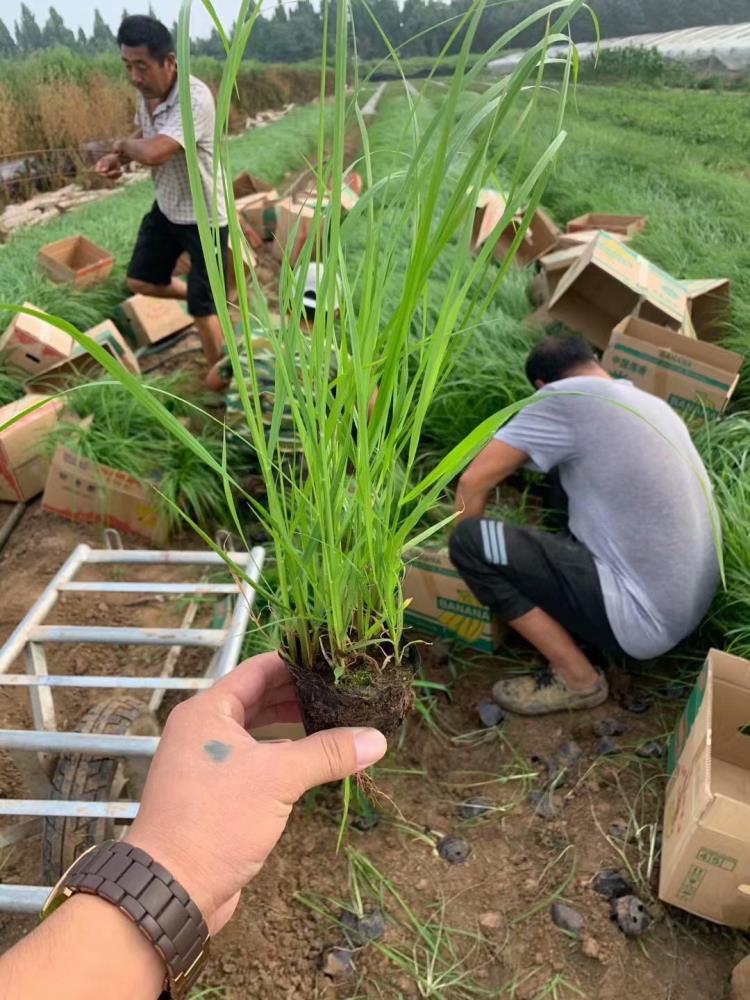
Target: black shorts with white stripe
point(514, 569)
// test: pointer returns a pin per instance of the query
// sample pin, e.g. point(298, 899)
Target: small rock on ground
point(365, 823)
point(336, 962)
point(611, 884)
point(361, 929)
point(566, 918)
point(473, 808)
point(545, 804)
point(607, 747)
point(454, 850)
point(635, 702)
point(490, 713)
point(491, 921)
point(651, 750)
point(631, 915)
point(609, 727)
point(591, 947)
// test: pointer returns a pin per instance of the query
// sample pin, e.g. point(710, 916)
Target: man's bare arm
point(492, 466)
point(149, 152)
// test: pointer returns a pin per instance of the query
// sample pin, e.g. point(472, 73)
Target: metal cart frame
point(32, 750)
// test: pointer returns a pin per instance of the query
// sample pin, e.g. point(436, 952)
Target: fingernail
point(370, 745)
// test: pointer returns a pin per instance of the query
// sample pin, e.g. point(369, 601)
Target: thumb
point(331, 755)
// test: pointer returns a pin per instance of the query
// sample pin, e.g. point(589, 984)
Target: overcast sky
point(81, 15)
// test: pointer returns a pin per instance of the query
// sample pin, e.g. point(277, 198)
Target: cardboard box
point(92, 493)
point(246, 183)
point(23, 460)
point(551, 269)
point(75, 260)
point(442, 604)
point(541, 236)
point(583, 238)
point(689, 375)
point(286, 241)
point(258, 211)
point(624, 225)
point(708, 302)
point(610, 282)
point(80, 363)
point(705, 867)
point(153, 319)
point(34, 345)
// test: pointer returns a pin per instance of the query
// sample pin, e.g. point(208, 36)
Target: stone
point(336, 962)
point(370, 926)
point(473, 808)
point(631, 915)
point(635, 702)
point(607, 747)
point(591, 948)
point(619, 830)
point(491, 920)
point(611, 884)
point(490, 713)
point(454, 850)
point(567, 755)
point(609, 727)
point(566, 918)
point(545, 804)
point(651, 750)
point(367, 822)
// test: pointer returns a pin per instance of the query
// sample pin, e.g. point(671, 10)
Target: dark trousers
point(513, 570)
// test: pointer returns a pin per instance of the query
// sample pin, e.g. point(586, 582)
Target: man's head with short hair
point(561, 356)
point(147, 50)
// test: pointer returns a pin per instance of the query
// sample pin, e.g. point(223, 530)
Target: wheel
point(82, 777)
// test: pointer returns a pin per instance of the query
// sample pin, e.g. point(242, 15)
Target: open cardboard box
point(153, 320)
point(80, 363)
point(76, 260)
point(23, 458)
point(258, 212)
point(622, 225)
point(442, 605)
point(540, 237)
point(92, 493)
point(708, 302)
point(610, 282)
point(34, 345)
point(688, 374)
point(705, 866)
point(247, 183)
point(288, 239)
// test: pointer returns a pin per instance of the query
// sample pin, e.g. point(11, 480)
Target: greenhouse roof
point(728, 44)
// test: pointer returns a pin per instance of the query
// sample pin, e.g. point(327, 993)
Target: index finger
point(242, 689)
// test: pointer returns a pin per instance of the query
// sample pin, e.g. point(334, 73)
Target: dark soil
point(494, 909)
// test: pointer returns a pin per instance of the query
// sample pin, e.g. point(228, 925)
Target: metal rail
point(33, 750)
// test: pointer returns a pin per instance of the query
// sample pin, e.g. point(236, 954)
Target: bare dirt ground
point(481, 928)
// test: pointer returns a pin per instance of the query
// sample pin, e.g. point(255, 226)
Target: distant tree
point(55, 31)
point(28, 33)
point(82, 42)
point(151, 11)
point(8, 47)
point(102, 39)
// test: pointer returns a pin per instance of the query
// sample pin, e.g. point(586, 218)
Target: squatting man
point(637, 568)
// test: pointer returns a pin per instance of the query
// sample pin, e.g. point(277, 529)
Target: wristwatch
point(146, 893)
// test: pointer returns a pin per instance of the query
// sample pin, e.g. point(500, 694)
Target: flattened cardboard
point(442, 605)
point(33, 345)
point(75, 260)
point(81, 364)
point(623, 225)
point(92, 493)
point(709, 300)
point(153, 319)
point(705, 865)
point(610, 282)
point(691, 376)
point(23, 460)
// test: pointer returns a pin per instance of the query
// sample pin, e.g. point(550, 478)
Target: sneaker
point(543, 692)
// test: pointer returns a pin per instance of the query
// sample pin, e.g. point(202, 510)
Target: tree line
point(417, 27)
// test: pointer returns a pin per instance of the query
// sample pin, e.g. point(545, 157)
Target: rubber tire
point(82, 777)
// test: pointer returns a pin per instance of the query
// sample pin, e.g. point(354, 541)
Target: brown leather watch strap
point(146, 892)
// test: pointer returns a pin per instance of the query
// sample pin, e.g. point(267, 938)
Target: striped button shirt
point(171, 179)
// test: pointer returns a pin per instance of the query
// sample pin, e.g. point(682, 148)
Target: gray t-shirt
point(171, 180)
point(639, 500)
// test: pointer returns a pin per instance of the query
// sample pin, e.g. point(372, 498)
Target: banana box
point(440, 603)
